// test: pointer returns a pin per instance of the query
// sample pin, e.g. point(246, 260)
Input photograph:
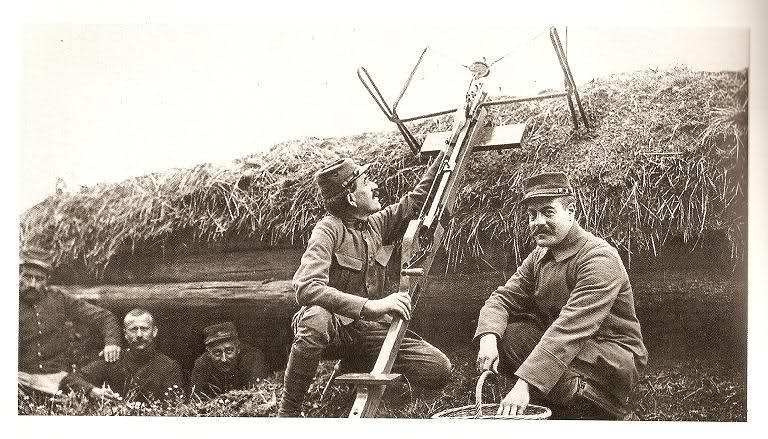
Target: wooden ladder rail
point(420, 242)
point(424, 235)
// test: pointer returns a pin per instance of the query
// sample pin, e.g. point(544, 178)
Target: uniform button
point(40, 332)
point(40, 365)
point(39, 354)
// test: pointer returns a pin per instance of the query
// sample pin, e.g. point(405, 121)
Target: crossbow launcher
point(424, 234)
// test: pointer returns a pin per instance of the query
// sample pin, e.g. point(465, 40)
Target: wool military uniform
point(566, 322)
point(138, 375)
point(206, 379)
point(343, 267)
point(43, 336)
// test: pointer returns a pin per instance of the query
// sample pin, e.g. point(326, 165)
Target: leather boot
point(603, 401)
point(298, 376)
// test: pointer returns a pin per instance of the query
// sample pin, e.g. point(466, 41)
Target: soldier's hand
point(516, 400)
point(488, 354)
point(105, 393)
point(111, 353)
point(396, 303)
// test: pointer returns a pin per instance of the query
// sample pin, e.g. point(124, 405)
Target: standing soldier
point(565, 322)
point(44, 357)
point(340, 284)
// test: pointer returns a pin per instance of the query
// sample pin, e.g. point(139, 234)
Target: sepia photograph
point(419, 219)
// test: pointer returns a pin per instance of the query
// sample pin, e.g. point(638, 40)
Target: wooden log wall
point(187, 292)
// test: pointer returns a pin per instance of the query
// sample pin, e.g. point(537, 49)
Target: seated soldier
point(44, 357)
point(142, 373)
point(226, 364)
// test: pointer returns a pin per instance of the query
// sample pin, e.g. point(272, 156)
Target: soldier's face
point(140, 331)
point(365, 198)
point(549, 220)
point(32, 281)
point(224, 354)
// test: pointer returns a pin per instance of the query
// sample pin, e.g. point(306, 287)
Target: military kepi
point(338, 176)
point(37, 256)
point(219, 332)
point(547, 184)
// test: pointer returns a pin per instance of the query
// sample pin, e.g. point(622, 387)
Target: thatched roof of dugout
point(666, 157)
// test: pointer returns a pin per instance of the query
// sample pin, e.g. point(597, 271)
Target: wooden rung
point(369, 378)
point(489, 138)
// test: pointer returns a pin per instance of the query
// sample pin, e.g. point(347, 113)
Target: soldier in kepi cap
point(227, 363)
point(44, 358)
point(564, 324)
point(340, 285)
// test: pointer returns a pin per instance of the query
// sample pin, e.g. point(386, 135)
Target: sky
point(102, 90)
point(105, 102)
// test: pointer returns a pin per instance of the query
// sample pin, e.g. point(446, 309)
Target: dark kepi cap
point(547, 184)
point(37, 256)
point(338, 176)
point(219, 331)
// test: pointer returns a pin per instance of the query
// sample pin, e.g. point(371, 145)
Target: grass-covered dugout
point(666, 156)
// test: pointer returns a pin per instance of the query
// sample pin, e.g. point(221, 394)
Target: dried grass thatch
point(666, 156)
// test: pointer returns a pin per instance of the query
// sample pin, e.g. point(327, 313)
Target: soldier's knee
point(313, 329)
point(437, 374)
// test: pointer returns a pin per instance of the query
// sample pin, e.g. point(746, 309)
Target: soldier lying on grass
point(227, 363)
point(141, 374)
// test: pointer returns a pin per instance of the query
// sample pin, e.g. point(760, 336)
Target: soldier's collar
point(355, 223)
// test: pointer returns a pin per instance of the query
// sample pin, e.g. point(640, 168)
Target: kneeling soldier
point(565, 322)
point(340, 284)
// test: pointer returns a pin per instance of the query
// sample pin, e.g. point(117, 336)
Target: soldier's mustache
point(540, 230)
point(31, 290)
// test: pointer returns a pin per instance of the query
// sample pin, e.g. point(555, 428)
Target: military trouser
point(321, 334)
point(579, 382)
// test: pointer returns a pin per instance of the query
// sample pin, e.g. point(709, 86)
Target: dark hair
point(566, 200)
point(338, 204)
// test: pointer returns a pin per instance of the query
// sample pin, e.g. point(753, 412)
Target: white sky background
point(107, 102)
point(185, 84)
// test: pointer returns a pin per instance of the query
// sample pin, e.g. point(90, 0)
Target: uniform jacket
point(43, 336)
point(345, 260)
point(150, 374)
point(208, 380)
point(580, 293)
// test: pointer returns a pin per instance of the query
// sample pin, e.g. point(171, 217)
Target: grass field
point(692, 323)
